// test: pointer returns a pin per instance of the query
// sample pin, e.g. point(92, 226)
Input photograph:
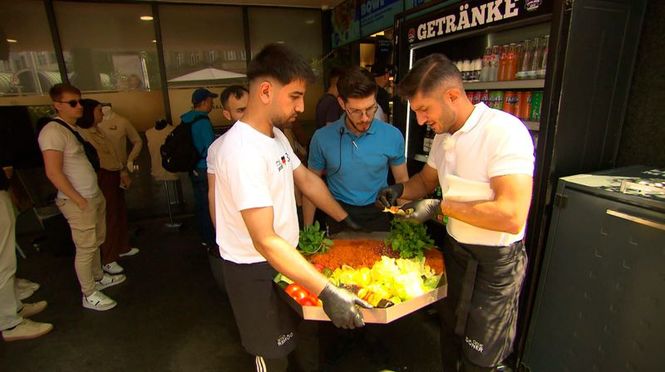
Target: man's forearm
point(490, 215)
point(308, 211)
point(211, 198)
point(416, 188)
point(317, 192)
point(288, 261)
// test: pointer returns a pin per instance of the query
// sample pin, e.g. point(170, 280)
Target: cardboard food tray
point(376, 315)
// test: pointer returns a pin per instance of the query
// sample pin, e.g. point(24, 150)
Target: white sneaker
point(130, 252)
point(98, 301)
point(113, 268)
point(109, 281)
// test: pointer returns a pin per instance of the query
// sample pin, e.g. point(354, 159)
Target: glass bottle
point(527, 60)
point(543, 65)
point(537, 58)
point(502, 63)
point(485, 68)
point(494, 63)
point(511, 62)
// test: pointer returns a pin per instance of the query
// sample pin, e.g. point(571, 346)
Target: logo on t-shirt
point(281, 163)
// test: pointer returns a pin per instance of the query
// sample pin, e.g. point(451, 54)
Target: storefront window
point(108, 47)
point(28, 65)
point(204, 46)
point(297, 28)
point(202, 42)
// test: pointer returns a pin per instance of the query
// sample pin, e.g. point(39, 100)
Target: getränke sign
point(470, 15)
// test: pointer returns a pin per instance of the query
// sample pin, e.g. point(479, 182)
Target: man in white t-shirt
point(483, 160)
point(79, 198)
point(251, 176)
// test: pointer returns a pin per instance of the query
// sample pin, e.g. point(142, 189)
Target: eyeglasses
point(358, 114)
point(72, 102)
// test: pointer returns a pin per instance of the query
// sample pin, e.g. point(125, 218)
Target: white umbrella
point(207, 74)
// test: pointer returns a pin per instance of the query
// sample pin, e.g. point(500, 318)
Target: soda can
point(485, 97)
point(477, 95)
point(536, 102)
point(509, 102)
point(497, 103)
point(469, 95)
point(525, 105)
point(517, 103)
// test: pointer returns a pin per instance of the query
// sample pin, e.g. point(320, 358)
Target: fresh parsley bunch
point(408, 238)
point(313, 240)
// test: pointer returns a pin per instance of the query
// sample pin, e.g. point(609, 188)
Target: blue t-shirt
point(202, 134)
point(365, 160)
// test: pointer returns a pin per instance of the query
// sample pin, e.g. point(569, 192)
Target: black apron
point(484, 287)
point(369, 217)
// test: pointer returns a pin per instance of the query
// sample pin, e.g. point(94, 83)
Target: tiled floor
point(171, 317)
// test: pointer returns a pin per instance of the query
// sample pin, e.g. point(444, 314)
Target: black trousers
point(479, 316)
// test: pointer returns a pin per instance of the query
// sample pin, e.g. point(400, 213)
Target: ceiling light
point(154, 41)
point(146, 18)
point(12, 41)
point(309, 22)
point(280, 41)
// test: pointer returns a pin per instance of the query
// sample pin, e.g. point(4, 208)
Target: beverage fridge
point(563, 67)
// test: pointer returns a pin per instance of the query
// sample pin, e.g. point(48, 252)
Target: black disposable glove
point(351, 224)
point(387, 197)
point(341, 306)
point(423, 210)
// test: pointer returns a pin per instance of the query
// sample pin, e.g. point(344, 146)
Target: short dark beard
point(281, 123)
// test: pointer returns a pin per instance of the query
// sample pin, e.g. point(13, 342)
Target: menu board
point(345, 20)
point(378, 15)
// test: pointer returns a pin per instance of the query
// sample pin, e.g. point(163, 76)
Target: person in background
point(112, 179)
point(234, 102)
point(328, 109)
point(483, 160)
point(381, 74)
point(79, 198)
point(14, 322)
point(355, 153)
point(202, 136)
point(119, 131)
point(251, 177)
point(134, 82)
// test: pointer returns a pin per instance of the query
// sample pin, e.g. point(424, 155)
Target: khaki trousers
point(88, 232)
point(8, 302)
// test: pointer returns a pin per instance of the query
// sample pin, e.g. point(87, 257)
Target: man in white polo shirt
point(483, 160)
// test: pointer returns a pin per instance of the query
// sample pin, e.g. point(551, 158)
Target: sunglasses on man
point(72, 102)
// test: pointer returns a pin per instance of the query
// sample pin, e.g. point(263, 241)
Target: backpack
point(88, 148)
point(178, 151)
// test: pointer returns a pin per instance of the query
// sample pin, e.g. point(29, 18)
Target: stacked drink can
point(524, 104)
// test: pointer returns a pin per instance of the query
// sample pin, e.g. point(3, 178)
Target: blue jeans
point(199, 178)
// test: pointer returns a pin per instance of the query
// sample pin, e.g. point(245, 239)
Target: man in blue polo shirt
point(355, 154)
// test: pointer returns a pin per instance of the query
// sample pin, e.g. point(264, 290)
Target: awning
point(207, 74)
